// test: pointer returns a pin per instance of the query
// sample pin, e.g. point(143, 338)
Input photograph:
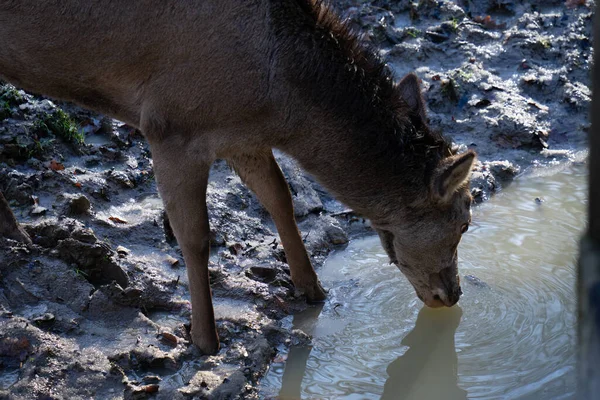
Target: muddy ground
point(99, 306)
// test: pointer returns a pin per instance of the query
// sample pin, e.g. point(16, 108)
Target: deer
point(233, 80)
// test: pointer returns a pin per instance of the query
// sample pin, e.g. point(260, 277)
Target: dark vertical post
point(588, 279)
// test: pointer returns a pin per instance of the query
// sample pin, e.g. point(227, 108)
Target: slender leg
point(182, 180)
point(263, 176)
point(9, 227)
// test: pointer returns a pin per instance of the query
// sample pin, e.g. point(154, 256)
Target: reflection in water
point(291, 382)
point(428, 369)
point(516, 337)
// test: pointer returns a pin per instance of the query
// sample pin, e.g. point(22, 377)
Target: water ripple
point(513, 339)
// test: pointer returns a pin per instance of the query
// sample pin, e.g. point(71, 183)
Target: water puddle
point(513, 334)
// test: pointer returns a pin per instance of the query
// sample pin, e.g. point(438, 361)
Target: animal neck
point(352, 129)
point(366, 172)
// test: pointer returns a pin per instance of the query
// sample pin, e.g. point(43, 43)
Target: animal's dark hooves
point(209, 349)
point(314, 294)
point(208, 346)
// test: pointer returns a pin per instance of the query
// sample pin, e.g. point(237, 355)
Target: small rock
point(132, 293)
point(121, 178)
point(504, 171)
point(336, 234)
point(38, 210)
point(437, 37)
point(236, 249)
point(79, 205)
point(539, 200)
point(151, 379)
point(475, 281)
point(47, 317)
point(85, 235)
point(478, 195)
point(172, 261)
point(122, 251)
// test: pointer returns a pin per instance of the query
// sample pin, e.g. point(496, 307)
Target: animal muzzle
point(445, 290)
point(438, 299)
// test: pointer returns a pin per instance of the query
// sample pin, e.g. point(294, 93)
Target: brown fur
point(226, 79)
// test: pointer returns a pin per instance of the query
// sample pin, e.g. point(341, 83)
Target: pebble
point(173, 262)
point(79, 205)
point(336, 234)
point(38, 210)
point(151, 379)
point(46, 317)
point(475, 281)
point(122, 251)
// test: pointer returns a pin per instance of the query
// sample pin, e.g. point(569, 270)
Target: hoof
point(207, 346)
point(314, 293)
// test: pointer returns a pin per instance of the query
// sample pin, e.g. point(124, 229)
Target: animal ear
point(452, 173)
point(410, 90)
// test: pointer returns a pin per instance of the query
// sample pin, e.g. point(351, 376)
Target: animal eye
point(464, 228)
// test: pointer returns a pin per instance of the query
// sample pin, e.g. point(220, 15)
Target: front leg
point(182, 178)
point(264, 177)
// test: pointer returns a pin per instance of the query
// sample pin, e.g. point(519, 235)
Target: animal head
point(422, 238)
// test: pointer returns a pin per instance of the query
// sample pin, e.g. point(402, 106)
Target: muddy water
point(511, 336)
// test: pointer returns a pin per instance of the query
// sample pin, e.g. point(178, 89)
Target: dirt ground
point(99, 306)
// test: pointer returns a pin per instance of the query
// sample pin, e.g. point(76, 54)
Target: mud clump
point(79, 205)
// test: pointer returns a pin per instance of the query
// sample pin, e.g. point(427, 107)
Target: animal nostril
point(437, 297)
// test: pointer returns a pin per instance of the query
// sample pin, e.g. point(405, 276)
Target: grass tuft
point(60, 124)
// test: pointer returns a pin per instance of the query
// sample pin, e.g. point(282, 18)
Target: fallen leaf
point(169, 338)
point(150, 388)
point(118, 220)
point(77, 184)
point(488, 22)
point(435, 78)
point(574, 3)
point(56, 166)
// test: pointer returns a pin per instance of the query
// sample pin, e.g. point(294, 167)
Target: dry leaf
point(488, 22)
point(77, 184)
point(169, 338)
point(56, 166)
point(574, 3)
point(148, 389)
point(117, 220)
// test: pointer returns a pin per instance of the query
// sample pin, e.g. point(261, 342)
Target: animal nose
point(452, 296)
point(446, 285)
point(445, 297)
point(435, 302)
